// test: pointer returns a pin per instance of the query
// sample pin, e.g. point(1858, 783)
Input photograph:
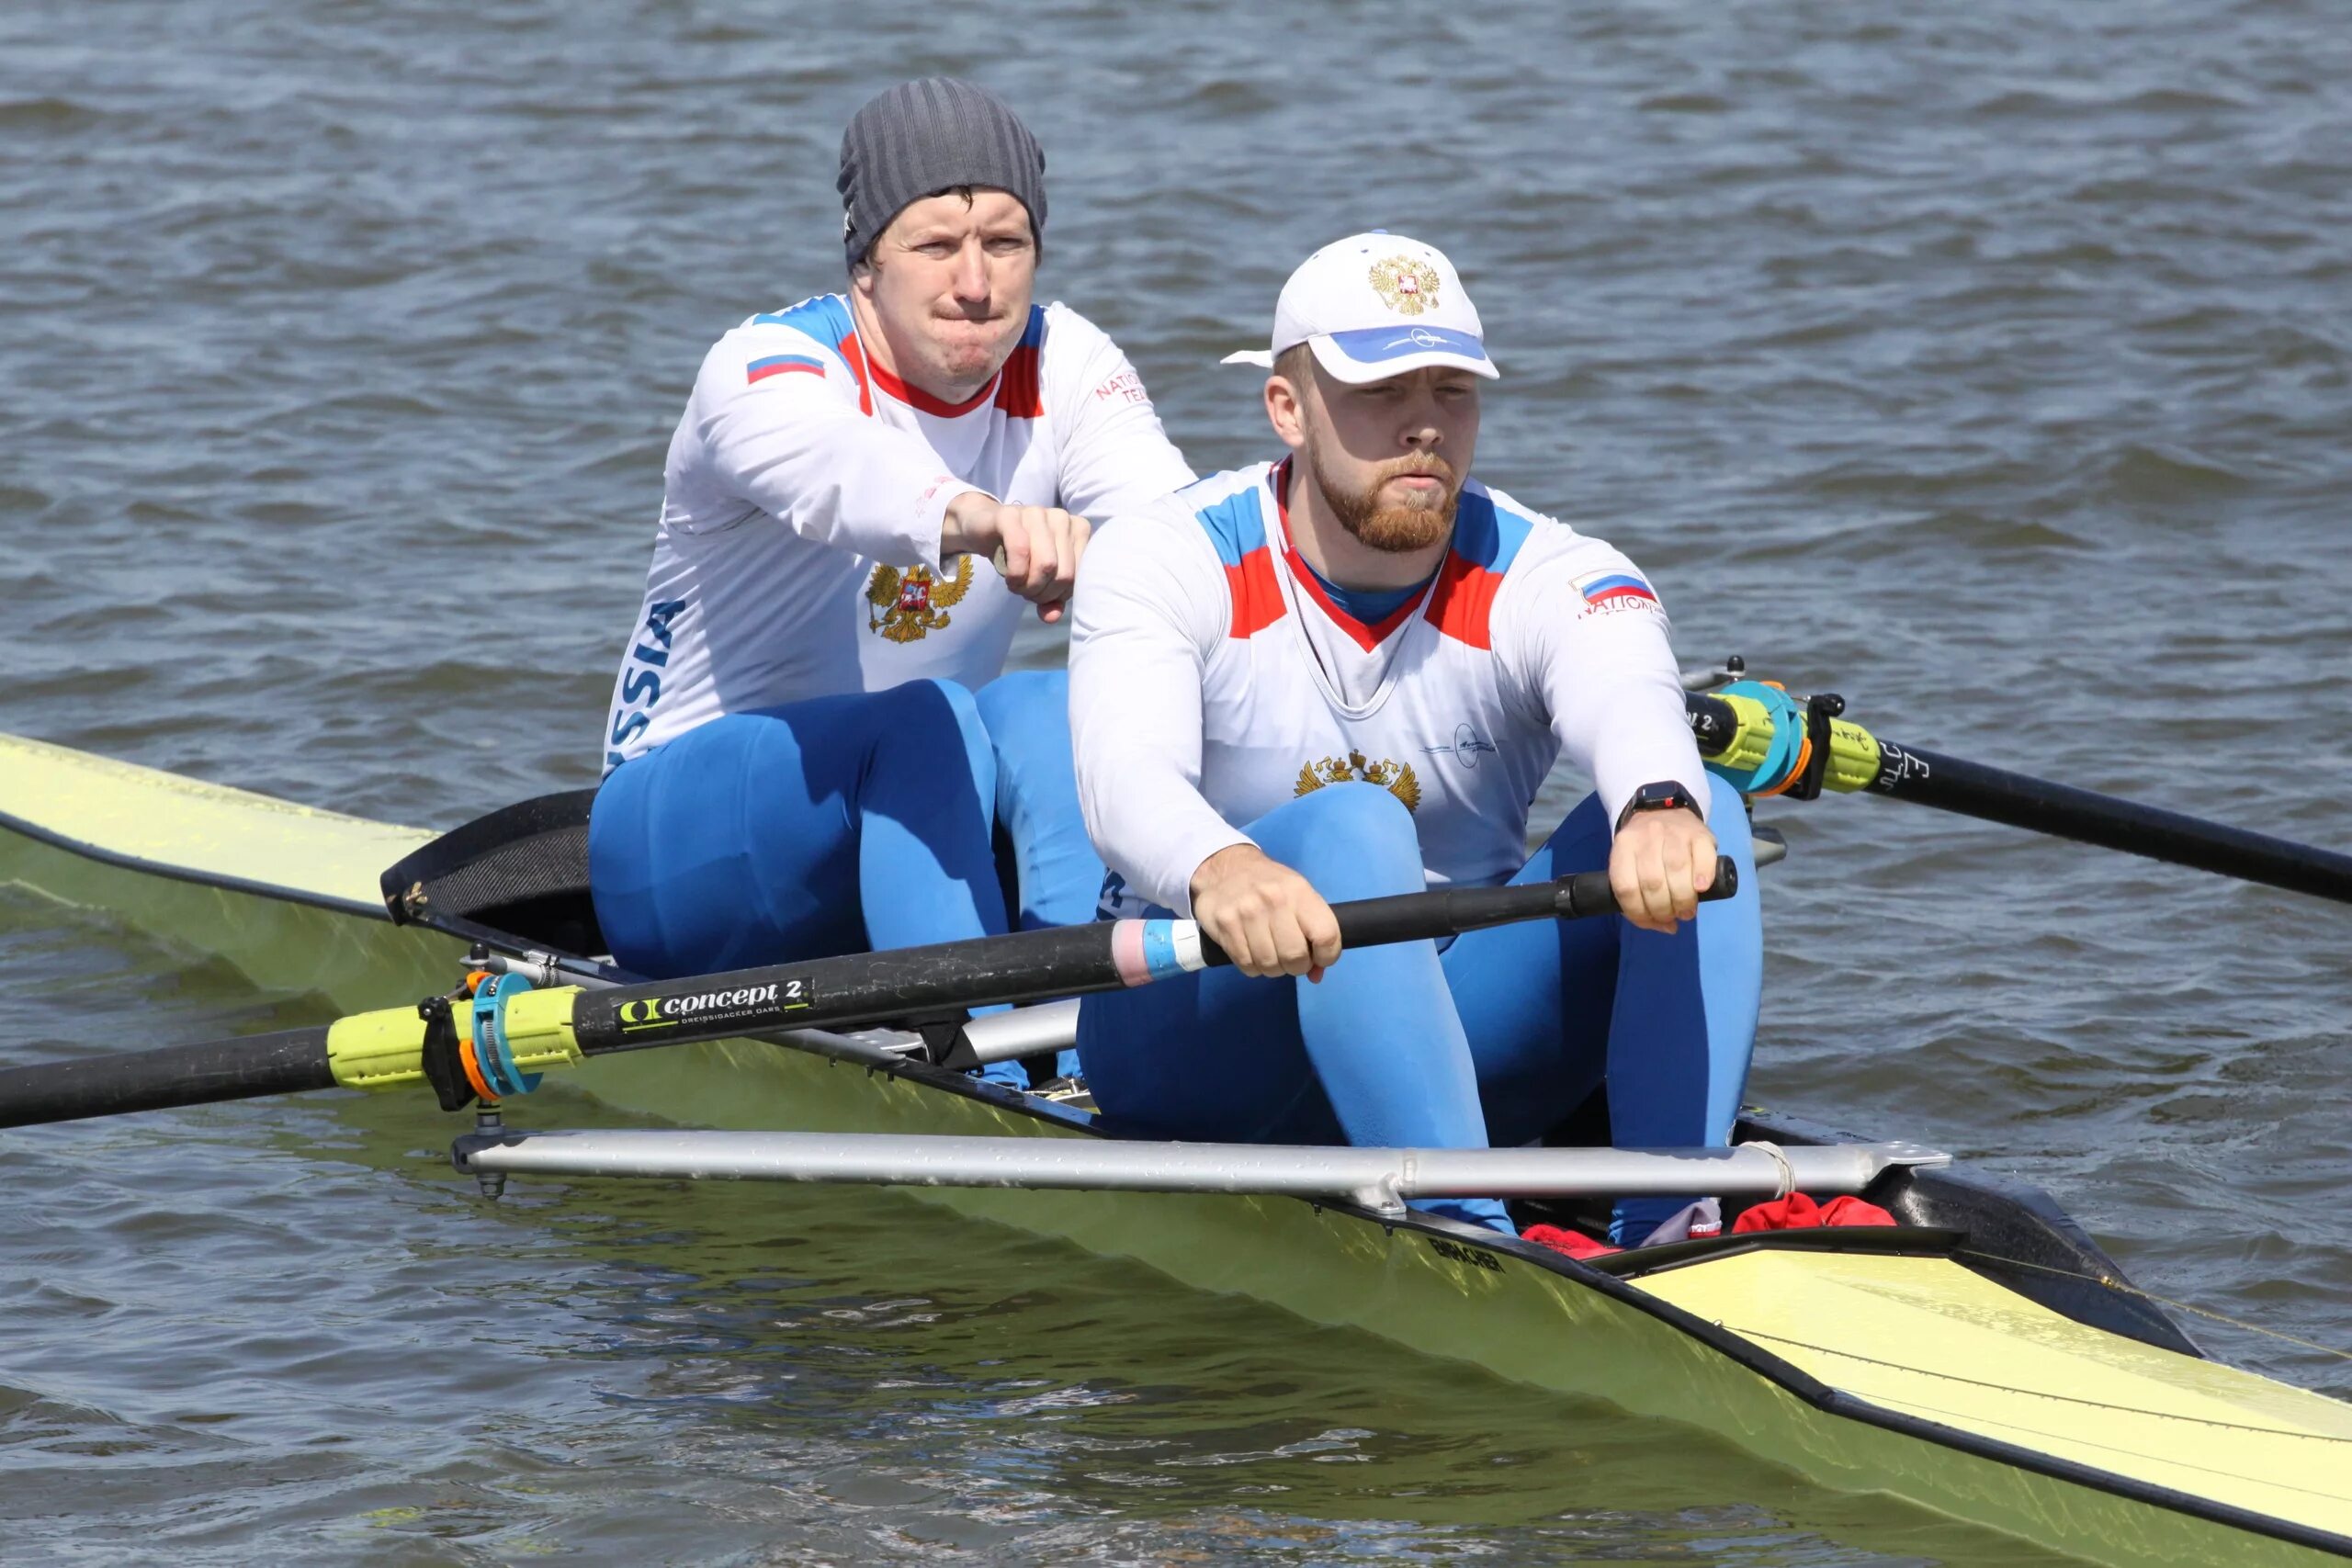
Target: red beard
point(1399, 530)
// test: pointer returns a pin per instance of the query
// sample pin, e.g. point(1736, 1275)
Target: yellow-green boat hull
point(1867, 1373)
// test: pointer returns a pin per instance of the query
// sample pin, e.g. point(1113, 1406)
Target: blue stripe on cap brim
point(1374, 354)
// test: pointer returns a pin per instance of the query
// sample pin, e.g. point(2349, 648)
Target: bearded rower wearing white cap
point(1346, 675)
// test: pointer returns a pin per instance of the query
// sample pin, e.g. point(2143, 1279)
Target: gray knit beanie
point(921, 138)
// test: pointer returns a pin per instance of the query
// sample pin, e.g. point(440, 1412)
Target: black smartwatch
point(1663, 796)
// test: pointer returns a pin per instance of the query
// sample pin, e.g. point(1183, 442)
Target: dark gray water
point(1989, 365)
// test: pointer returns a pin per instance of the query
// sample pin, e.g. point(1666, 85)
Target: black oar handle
point(112, 1083)
point(1423, 917)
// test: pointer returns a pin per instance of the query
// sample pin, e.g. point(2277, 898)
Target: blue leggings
point(841, 824)
point(1494, 1040)
point(1060, 876)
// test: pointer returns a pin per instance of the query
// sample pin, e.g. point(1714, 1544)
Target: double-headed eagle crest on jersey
point(908, 605)
point(1396, 778)
point(1406, 284)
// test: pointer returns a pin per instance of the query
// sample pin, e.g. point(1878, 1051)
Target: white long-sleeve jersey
point(798, 548)
point(1212, 677)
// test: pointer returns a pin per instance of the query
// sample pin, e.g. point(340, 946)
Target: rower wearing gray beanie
point(812, 739)
point(925, 137)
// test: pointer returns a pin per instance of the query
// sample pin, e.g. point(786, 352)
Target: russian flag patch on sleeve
point(1615, 591)
point(781, 365)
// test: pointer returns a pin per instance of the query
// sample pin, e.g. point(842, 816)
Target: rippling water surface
point(1987, 366)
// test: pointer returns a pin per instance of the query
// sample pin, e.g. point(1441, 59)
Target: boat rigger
point(1988, 1362)
point(1378, 1180)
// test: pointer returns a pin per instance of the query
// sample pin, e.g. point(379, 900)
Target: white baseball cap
point(1376, 305)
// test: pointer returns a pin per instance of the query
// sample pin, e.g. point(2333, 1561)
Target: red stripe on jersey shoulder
point(1486, 539)
point(1464, 600)
point(1257, 597)
point(1018, 394)
point(825, 319)
point(854, 351)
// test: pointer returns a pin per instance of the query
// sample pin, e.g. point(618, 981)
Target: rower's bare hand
point(1036, 547)
point(1661, 863)
point(1269, 920)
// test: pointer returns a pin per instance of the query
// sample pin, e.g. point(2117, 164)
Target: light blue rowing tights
point(1059, 874)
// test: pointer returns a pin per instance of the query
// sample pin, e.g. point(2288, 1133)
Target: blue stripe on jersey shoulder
point(1487, 534)
point(1234, 522)
point(824, 318)
point(1034, 336)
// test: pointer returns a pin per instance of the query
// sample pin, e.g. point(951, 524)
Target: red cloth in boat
point(1576, 1244)
point(1796, 1213)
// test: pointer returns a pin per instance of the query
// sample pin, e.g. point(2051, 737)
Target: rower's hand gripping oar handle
point(513, 1033)
point(1424, 917)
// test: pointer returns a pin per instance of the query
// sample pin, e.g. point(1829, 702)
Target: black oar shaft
point(2017, 800)
point(1971, 789)
point(111, 1085)
point(855, 988)
point(909, 982)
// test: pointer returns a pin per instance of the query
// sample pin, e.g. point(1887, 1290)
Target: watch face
point(1662, 797)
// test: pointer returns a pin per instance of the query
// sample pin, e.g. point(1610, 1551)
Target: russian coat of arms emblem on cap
point(1406, 284)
